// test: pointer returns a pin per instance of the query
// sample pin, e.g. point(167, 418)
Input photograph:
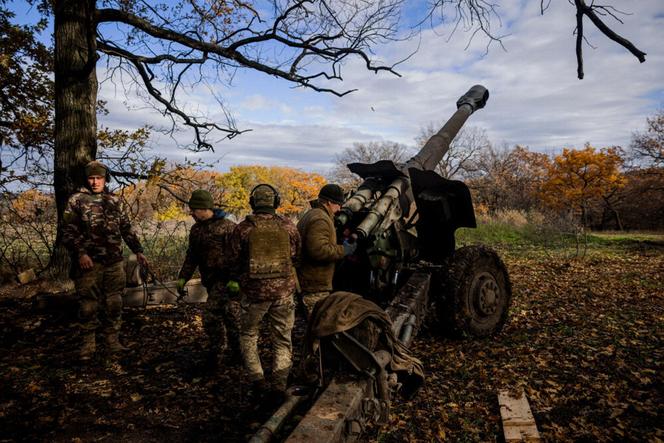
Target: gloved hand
point(180, 287)
point(349, 248)
point(233, 287)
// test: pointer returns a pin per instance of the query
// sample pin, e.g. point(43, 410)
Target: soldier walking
point(266, 246)
point(95, 223)
point(209, 250)
point(320, 250)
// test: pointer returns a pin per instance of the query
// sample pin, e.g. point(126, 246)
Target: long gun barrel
point(438, 145)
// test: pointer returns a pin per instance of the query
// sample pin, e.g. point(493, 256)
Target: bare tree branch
point(592, 12)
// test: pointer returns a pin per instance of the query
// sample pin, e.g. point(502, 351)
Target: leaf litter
point(584, 341)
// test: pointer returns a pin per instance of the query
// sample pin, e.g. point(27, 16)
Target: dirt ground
point(584, 341)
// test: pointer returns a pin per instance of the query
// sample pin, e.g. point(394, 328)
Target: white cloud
point(261, 103)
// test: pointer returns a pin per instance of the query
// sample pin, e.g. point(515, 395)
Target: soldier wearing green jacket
point(320, 250)
point(95, 224)
point(209, 250)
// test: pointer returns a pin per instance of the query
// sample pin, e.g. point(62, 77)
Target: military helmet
point(332, 193)
point(96, 167)
point(264, 196)
point(201, 199)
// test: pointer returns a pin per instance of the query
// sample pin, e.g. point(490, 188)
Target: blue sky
point(536, 99)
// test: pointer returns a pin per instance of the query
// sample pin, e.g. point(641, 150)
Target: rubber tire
point(470, 268)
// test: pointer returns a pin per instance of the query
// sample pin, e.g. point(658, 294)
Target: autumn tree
point(166, 190)
point(509, 178)
point(31, 204)
point(26, 103)
point(577, 178)
point(642, 199)
point(647, 147)
point(296, 188)
point(641, 202)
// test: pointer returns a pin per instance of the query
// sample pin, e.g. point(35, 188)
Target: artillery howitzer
point(403, 218)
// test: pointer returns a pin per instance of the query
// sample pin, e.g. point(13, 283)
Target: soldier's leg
point(311, 298)
point(114, 280)
point(250, 320)
point(282, 318)
point(212, 322)
point(87, 289)
point(231, 318)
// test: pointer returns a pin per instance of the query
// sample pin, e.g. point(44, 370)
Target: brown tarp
point(342, 311)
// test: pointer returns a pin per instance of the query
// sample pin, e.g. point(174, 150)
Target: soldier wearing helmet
point(95, 224)
point(266, 246)
point(209, 244)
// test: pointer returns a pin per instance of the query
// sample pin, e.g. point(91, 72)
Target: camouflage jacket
point(209, 248)
point(267, 289)
point(96, 224)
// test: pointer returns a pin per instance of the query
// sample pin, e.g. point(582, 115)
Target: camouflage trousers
point(311, 298)
point(100, 297)
point(281, 317)
point(221, 319)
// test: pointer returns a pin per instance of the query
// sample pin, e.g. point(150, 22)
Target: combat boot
point(113, 344)
point(88, 346)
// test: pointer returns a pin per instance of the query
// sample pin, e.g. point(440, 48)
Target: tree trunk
point(614, 212)
point(75, 105)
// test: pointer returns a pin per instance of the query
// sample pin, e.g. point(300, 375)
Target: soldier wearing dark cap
point(95, 224)
point(320, 250)
point(209, 251)
point(266, 246)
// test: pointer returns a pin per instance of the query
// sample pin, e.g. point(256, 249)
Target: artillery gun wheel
point(477, 293)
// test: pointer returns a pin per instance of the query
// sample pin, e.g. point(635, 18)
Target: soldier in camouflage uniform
point(266, 247)
point(208, 250)
point(95, 223)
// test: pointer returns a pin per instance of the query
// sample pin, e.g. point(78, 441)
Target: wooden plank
point(326, 421)
point(518, 421)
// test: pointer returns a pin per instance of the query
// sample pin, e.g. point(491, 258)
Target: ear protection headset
point(277, 198)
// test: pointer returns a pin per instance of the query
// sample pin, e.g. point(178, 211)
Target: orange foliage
point(577, 177)
point(155, 197)
point(32, 203)
point(295, 187)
